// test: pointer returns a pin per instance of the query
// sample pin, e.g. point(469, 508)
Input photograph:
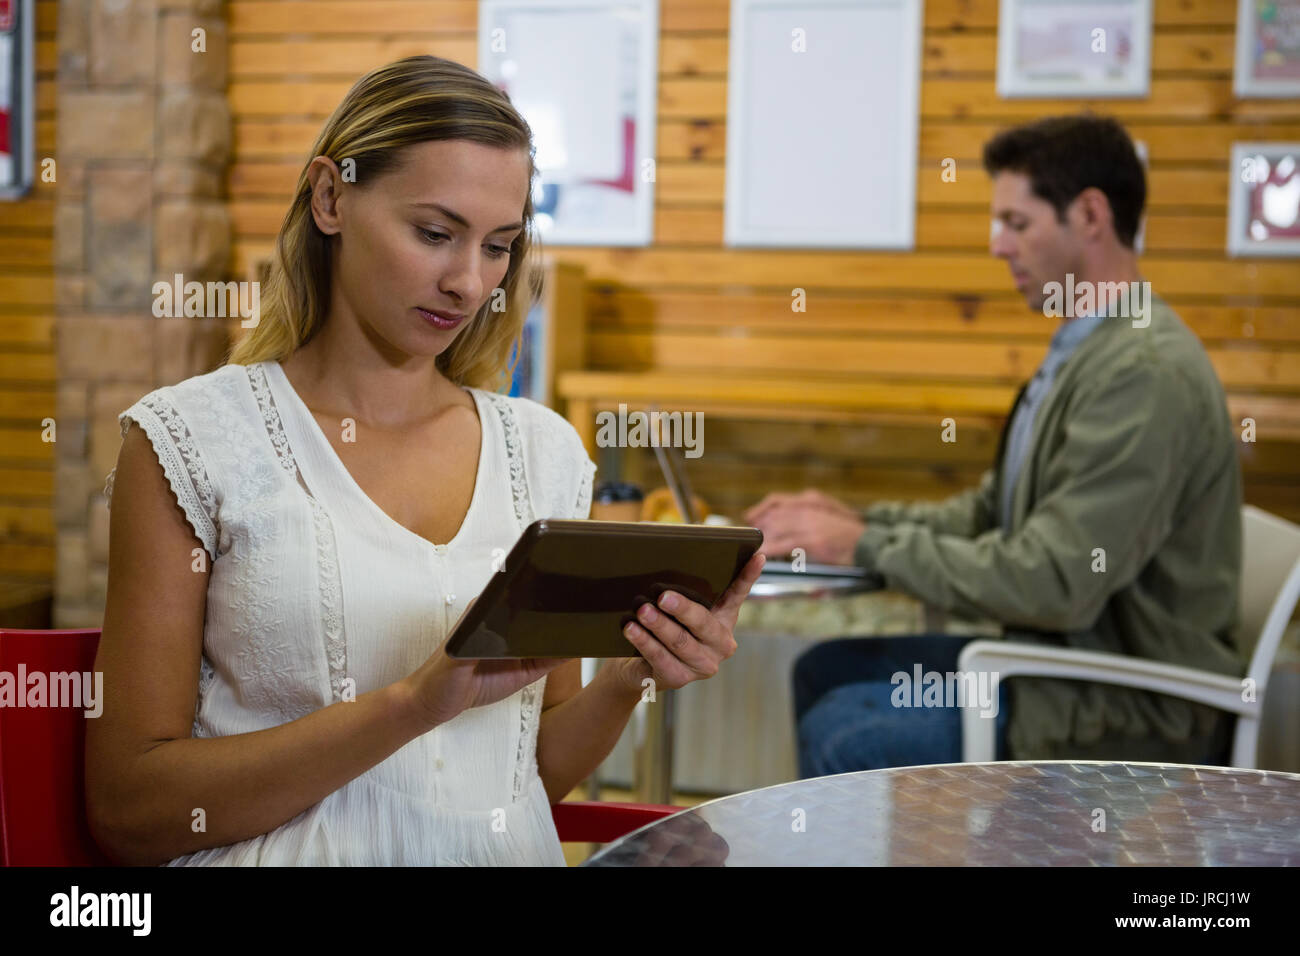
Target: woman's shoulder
point(217, 388)
point(535, 422)
point(557, 468)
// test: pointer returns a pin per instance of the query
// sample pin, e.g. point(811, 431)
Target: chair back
point(1270, 587)
point(42, 750)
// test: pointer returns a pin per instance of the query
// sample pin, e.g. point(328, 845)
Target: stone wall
point(144, 139)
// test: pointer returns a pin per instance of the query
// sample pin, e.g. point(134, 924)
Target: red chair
point(42, 769)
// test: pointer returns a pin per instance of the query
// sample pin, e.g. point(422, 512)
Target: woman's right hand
point(442, 687)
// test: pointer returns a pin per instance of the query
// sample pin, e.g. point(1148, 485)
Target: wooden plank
point(29, 213)
point(27, 482)
point(938, 227)
point(974, 274)
point(26, 557)
point(971, 274)
point(26, 290)
point(28, 330)
point(1012, 362)
point(1201, 51)
point(273, 139)
point(1191, 98)
point(607, 389)
point(942, 98)
point(331, 17)
point(680, 54)
point(893, 442)
point(350, 57)
point(1002, 316)
point(27, 250)
point(25, 445)
point(47, 18)
point(1206, 139)
point(28, 367)
point(24, 521)
point(1173, 191)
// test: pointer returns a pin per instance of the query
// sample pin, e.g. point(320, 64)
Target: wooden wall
point(944, 314)
point(27, 366)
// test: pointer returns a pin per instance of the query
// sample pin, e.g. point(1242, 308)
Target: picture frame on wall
point(584, 74)
point(17, 98)
point(1267, 60)
point(818, 164)
point(1264, 200)
point(1074, 48)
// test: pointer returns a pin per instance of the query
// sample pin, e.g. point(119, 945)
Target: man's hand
point(809, 496)
point(826, 529)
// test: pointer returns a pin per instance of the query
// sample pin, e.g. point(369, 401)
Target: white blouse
point(316, 595)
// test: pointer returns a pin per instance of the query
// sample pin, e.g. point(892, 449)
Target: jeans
point(852, 716)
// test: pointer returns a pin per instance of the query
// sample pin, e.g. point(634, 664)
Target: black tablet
point(568, 587)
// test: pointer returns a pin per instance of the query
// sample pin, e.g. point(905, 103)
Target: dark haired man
point(1110, 520)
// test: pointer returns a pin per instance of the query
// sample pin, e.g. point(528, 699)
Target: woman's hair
point(414, 100)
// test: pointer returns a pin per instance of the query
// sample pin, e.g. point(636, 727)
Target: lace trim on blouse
point(514, 452)
point(331, 586)
point(530, 699)
point(180, 460)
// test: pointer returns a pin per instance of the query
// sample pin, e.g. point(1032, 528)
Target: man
point(1110, 520)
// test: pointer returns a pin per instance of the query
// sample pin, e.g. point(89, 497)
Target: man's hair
point(1064, 155)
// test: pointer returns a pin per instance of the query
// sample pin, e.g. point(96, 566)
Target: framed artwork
point(17, 97)
point(1268, 48)
point(584, 74)
point(1264, 200)
point(1074, 48)
point(822, 108)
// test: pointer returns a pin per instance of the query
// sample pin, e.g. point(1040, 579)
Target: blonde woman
point(294, 534)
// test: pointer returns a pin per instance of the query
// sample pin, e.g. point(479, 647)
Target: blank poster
point(822, 123)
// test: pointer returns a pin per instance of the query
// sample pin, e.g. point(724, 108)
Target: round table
point(1018, 813)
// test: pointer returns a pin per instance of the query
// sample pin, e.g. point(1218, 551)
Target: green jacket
point(1133, 452)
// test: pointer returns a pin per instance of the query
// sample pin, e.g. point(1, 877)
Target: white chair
point(1270, 589)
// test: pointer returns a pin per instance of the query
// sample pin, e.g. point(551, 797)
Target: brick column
point(143, 145)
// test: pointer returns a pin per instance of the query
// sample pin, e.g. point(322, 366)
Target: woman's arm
point(145, 776)
point(580, 725)
point(679, 642)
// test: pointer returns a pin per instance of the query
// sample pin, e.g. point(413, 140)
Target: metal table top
point(1029, 813)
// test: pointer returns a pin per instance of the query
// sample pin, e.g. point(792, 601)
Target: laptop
point(778, 577)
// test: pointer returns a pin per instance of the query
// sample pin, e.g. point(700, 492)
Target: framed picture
point(584, 75)
point(822, 107)
point(1264, 200)
point(1074, 48)
point(1268, 48)
point(17, 97)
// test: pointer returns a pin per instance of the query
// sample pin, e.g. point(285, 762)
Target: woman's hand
point(683, 641)
point(443, 687)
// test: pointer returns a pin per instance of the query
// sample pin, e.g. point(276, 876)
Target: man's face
point(403, 253)
point(1037, 246)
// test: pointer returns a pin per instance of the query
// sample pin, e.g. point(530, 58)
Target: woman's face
point(427, 242)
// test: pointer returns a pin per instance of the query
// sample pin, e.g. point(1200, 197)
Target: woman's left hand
point(682, 641)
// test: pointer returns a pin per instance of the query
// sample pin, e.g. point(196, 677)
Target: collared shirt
point(1064, 342)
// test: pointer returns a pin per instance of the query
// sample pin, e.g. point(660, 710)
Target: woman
point(277, 692)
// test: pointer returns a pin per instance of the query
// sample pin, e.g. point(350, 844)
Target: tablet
point(568, 587)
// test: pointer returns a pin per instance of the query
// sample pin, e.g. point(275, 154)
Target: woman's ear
point(326, 184)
